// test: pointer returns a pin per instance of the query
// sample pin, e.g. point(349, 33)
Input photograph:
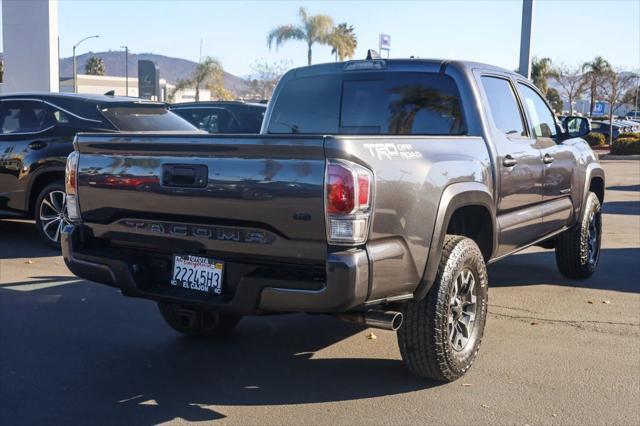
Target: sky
point(235, 32)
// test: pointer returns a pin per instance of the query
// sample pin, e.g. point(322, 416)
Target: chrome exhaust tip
point(386, 320)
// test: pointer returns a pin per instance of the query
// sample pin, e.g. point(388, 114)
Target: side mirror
point(575, 127)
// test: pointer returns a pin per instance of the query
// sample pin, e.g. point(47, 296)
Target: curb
point(618, 157)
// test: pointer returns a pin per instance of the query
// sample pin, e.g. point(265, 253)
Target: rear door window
point(542, 119)
point(389, 103)
point(23, 117)
point(503, 106)
point(212, 120)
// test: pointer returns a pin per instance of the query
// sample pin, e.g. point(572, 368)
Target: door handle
point(184, 175)
point(36, 145)
point(509, 161)
point(547, 159)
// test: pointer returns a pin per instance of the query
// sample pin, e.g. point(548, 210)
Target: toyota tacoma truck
point(377, 191)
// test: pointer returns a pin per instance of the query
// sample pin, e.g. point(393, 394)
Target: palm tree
point(594, 72)
point(94, 66)
point(1, 71)
point(313, 29)
point(343, 41)
point(207, 72)
point(541, 70)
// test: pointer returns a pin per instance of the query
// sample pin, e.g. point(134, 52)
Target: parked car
point(382, 189)
point(222, 117)
point(630, 125)
point(36, 135)
point(633, 115)
point(604, 127)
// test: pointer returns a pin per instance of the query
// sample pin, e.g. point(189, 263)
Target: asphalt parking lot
point(555, 351)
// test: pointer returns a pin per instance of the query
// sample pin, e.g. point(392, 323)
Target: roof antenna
point(372, 55)
point(110, 93)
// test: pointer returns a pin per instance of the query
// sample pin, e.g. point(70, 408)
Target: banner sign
point(148, 80)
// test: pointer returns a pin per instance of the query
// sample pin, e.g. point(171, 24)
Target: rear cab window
point(145, 118)
point(384, 103)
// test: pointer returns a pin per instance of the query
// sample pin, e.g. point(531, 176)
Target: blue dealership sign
point(599, 107)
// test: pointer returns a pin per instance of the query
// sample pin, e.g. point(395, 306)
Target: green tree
point(541, 71)
point(343, 41)
point(594, 73)
point(312, 29)
point(94, 66)
point(555, 100)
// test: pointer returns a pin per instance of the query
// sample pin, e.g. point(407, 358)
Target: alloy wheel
point(462, 309)
point(53, 214)
point(593, 246)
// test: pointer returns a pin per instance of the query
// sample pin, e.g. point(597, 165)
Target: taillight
point(348, 202)
point(71, 187)
point(340, 189)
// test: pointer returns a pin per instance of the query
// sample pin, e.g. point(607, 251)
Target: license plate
point(197, 273)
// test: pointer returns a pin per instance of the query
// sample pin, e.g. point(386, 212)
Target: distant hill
point(171, 69)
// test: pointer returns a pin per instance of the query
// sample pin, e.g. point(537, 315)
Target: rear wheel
point(51, 213)
point(441, 334)
point(197, 322)
point(578, 248)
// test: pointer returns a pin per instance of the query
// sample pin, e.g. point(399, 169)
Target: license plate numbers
point(197, 273)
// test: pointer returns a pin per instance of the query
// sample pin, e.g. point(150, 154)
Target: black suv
point(222, 116)
point(36, 135)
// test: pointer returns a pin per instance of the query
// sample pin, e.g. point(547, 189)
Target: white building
point(101, 84)
point(30, 51)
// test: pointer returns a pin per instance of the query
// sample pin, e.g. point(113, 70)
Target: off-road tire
point(425, 336)
point(573, 255)
point(44, 195)
point(200, 323)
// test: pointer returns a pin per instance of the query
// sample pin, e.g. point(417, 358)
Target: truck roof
point(80, 97)
point(408, 64)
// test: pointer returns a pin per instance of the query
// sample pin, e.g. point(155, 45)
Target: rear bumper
point(340, 285)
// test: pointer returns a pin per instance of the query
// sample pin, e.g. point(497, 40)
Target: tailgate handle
point(184, 175)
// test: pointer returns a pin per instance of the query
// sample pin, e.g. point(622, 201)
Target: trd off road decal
point(390, 151)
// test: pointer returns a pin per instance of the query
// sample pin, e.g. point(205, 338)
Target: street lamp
point(126, 68)
point(75, 74)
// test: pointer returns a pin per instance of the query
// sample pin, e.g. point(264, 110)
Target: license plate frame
point(197, 273)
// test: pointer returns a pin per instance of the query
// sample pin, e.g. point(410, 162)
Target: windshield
point(383, 103)
point(142, 119)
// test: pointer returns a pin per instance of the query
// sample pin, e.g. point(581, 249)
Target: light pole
point(126, 68)
point(75, 74)
point(526, 29)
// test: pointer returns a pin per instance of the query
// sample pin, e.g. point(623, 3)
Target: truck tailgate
point(259, 195)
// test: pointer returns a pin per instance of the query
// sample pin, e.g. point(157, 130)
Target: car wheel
point(197, 322)
point(51, 213)
point(441, 334)
point(578, 248)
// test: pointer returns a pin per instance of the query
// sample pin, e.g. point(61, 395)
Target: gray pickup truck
point(377, 191)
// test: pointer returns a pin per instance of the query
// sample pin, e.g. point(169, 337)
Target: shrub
point(626, 146)
point(630, 135)
point(595, 139)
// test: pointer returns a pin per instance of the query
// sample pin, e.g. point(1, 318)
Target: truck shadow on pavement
point(617, 270)
point(19, 238)
point(635, 188)
point(82, 352)
point(622, 207)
